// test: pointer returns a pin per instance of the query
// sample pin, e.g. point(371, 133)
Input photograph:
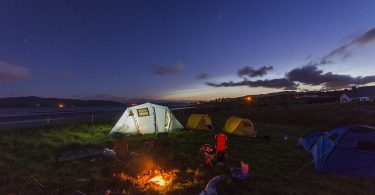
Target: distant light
point(61, 105)
point(248, 98)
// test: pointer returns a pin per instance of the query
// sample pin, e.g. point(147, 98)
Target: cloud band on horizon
point(252, 72)
point(309, 74)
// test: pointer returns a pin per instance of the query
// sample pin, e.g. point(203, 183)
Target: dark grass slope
point(275, 165)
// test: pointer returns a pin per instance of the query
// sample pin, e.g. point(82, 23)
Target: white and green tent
point(144, 119)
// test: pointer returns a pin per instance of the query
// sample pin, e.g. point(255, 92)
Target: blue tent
point(348, 150)
point(309, 139)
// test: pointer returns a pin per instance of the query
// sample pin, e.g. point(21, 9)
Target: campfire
point(156, 179)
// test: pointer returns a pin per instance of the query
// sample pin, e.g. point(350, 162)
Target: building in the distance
point(361, 94)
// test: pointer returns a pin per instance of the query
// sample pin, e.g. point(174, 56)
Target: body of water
point(12, 118)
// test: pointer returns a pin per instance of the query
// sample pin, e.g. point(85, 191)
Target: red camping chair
point(218, 152)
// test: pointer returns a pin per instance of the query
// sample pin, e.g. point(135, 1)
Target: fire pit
point(159, 179)
point(156, 179)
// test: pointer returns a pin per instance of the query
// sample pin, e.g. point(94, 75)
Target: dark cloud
point(345, 50)
point(307, 75)
point(311, 75)
point(281, 83)
point(167, 70)
point(203, 76)
point(252, 72)
point(10, 71)
point(317, 63)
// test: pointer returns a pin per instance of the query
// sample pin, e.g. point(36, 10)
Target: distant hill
point(33, 101)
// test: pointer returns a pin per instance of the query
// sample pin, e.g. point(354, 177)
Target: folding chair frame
point(210, 153)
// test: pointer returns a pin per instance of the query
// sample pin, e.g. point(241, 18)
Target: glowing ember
point(158, 180)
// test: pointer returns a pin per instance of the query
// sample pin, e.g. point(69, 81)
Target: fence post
point(47, 120)
point(92, 119)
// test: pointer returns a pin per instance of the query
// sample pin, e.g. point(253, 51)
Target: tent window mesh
point(365, 145)
point(143, 112)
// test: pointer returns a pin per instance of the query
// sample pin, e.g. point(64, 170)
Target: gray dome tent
point(144, 119)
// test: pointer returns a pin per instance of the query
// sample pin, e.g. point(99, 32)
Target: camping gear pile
point(347, 150)
point(241, 173)
point(236, 174)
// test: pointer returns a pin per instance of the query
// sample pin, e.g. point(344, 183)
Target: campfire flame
point(155, 179)
point(158, 180)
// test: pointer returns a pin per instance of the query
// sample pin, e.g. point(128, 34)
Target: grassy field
point(274, 164)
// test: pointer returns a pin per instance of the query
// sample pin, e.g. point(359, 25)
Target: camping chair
point(218, 152)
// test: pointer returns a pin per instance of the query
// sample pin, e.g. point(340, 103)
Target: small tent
point(240, 126)
point(348, 150)
point(199, 122)
point(144, 119)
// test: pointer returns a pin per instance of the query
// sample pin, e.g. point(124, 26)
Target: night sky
point(183, 50)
